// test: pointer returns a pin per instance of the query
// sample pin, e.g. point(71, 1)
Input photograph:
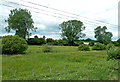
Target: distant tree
point(88, 39)
point(21, 21)
point(49, 40)
point(118, 41)
point(44, 37)
point(102, 36)
point(72, 30)
point(35, 36)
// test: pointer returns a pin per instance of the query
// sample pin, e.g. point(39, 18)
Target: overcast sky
point(91, 12)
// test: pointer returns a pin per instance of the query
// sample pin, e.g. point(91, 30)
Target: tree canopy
point(20, 20)
point(102, 36)
point(72, 30)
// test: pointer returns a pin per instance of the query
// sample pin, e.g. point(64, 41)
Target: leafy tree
point(72, 30)
point(44, 37)
point(102, 36)
point(35, 36)
point(36, 41)
point(88, 39)
point(49, 40)
point(20, 20)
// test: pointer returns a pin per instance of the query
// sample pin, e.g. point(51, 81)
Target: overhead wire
point(67, 12)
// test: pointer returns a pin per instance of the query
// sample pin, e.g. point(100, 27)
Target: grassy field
point(64, 63)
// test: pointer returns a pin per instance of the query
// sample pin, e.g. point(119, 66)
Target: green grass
point(66, 63)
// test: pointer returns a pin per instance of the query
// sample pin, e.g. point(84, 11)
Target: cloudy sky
point(48, 14)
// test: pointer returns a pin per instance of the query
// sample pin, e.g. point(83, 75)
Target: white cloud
point(40, 26)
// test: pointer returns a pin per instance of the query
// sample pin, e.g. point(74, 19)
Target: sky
point(92, 13)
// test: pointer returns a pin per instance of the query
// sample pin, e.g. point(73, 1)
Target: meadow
point(64, 63)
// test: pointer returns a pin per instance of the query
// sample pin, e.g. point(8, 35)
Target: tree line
point(20, 20)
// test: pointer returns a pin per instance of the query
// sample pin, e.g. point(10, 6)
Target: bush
point(91, 43)
point(63, 42)
point(47, 48)
point(13, 45)
point(83, 47)
point(113, 53)
point(98, 46)
point(78, 43)
point(110, 45)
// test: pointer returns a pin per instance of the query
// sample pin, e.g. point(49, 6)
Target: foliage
point(47, 48)
point(113, 53)
point(83, 47)
point(116, 43)
point(13, 45)
point(91, 43)
point(72, 30)
point(77, 43)
point(98, 46)
point(110, 45)
point(21, 21)
point(36, 41)
point(102, 36)
point(55, 42)
point(35, 36)
point(49, 40)
point(88, 40)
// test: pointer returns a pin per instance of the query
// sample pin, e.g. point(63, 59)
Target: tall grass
point(66, 63)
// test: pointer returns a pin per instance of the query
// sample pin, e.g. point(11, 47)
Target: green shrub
point(113, 53)
point(13, 45)
point(47, 48)
point(78, 43)
point(98, 46)
point(83, 47)
point(110, 45)
point(91, 43)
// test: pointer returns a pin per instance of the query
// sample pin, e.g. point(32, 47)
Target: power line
point(34, 11)
point(61, 11)
point(44, 10)
point(51, 15)
point(39, 9)
point(67, 12)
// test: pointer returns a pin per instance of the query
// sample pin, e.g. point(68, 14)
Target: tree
point(102, 36)
point(118, 41)
point(88, 39)
point(35, 36)
point(44, 37)
point(20, 20)
point(72, 30)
